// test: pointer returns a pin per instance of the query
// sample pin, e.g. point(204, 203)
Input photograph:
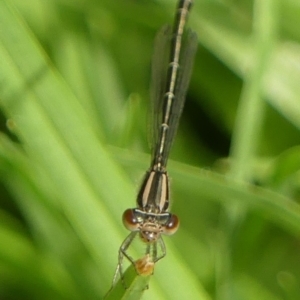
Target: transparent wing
point(186, 66)
point(160, 62)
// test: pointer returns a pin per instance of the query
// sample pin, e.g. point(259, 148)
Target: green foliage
point(74, 81)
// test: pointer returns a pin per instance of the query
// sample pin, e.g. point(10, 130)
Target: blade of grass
point(60, 140)
point(136, 285)
point(250, 114)
point(50, 229)
point(247, 130)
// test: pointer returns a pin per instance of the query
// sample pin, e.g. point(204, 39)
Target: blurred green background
point(74, 97)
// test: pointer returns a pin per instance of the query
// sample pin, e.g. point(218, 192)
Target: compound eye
point(130, 220)
point(172, 225)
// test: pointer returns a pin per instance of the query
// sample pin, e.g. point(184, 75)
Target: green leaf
point(136, 285)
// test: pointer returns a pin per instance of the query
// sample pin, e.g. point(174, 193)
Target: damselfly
point(172, 64)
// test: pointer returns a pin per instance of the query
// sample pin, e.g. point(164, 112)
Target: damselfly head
point(150, 232)
point(150, 225)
